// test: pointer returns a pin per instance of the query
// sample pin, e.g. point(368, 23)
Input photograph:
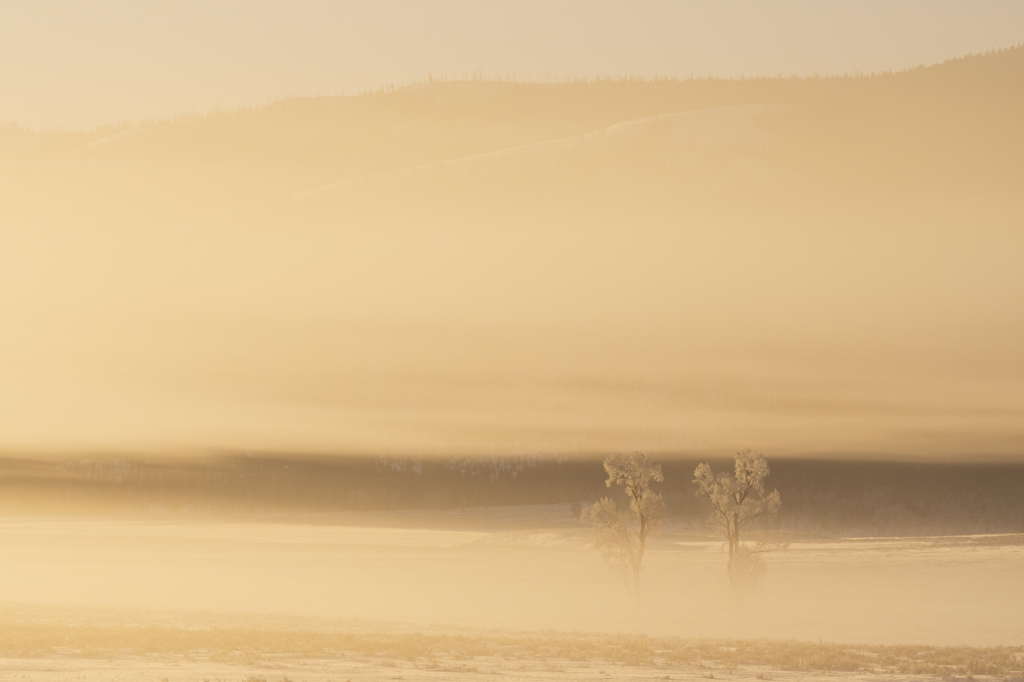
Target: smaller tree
point(622, 533)
point(736, 500)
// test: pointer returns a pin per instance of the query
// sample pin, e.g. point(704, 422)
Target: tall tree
point(736, 500)
point(622, 533)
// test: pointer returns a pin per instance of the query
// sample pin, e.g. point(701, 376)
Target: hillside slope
point(805, 266)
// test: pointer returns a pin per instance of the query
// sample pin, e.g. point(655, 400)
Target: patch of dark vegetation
point(837, 498)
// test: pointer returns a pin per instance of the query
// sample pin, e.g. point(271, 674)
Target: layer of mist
point(809, 265)
point(279, 385)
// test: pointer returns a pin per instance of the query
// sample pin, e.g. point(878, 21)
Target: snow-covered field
point(358, 669)
point(478, 572)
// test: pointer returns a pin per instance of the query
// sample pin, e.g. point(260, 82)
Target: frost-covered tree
point(622, 533)
point(736, 500)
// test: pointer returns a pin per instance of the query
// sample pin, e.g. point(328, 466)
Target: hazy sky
point(72, 63)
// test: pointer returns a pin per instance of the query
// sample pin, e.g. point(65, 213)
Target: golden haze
point(815, 265)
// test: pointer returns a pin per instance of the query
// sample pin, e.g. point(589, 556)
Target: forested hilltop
point(952, 124)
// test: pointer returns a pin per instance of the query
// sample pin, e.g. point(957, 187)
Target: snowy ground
point(171, 669)
point(517, 570)
point(115, 647)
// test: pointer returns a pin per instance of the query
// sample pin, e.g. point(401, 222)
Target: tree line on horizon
point(950, 125)
point(823, 497)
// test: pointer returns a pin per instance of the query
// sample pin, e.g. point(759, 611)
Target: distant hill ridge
point(962, 111)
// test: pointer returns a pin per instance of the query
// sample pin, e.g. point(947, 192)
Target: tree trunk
point(734, 547)
point(637, 562)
